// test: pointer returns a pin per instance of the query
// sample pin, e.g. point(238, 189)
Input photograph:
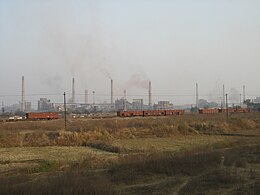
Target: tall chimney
point(223, 100)
point(73, 91)
point(197, 95)
point(244, 93)
point(86, 97)
point(112, 93)
point(23, 94)
point(3, 107)
point(150, 95)
point(124, 106)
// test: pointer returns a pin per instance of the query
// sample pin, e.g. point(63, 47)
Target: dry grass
point(172, 144)
point(82, 131)
point(200, 173)
point(133, 155)
point(68, 154)
point(63, 183)
point(13, 160)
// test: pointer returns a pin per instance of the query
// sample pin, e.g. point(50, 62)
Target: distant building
point(28, 106)
point(253, 104)
point(163, 105)
point(119, 105)
point(138, 104)
point(45, 105)
point(256, 100)
point(13, 108)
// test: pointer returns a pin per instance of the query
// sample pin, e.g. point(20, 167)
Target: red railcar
point(174, 112)
point(179, 112)
point(242, 110)
point(154, 113)
point(130, 113)
point(146, 113)
point(209, 111)
point(221, 110)
point(42, 115)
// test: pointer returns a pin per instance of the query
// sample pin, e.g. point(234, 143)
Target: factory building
point(138, 104)
point(163, 105)
point(45, 104)
point(123, 104)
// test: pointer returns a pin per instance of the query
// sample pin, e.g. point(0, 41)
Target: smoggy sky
point(173, 43)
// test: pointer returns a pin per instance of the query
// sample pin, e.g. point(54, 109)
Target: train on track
point(129, 113)
point(42, 115)
point(222, 110)
point(146, 113)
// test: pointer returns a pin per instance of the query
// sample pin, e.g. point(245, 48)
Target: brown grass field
point(190, 154)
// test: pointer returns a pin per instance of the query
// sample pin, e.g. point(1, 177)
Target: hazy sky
point(174, 43)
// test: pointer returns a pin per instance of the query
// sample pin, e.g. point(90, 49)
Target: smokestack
point(112, 93)
point(86, 97)
point(150, 94)
point(244, 93)
point(197, 95)
point(223, 96)
point(3, 107)
point(23, 94)
point(124, 106)
point(73, 91)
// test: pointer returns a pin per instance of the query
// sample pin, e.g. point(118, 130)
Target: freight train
point(130, 113)
point(221, 110)
point(42, 115)
point(146, 113)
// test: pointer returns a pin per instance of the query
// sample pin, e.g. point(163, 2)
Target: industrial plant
point(120, 103)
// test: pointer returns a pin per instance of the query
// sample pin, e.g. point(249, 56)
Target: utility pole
point(112, 93)
point(223, 96)
point(197, 95)
point(73, 92)
point(65, 111)
point(227, 104)
point(150, 95)
point(23, 94)
point(124, 102)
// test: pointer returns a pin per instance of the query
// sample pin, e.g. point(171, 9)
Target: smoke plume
point(137, 81)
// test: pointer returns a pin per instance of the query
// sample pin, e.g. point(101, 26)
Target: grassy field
point(191, 154)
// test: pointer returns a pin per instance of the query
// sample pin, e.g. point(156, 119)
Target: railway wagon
point(209, 111)
point(220, 110)
point(179, 112)
point(130, 113)
point(242, 110)
point(237, 110)
point(146, 113)
point(174, 112)
point(42, 115)
point(154, 113)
